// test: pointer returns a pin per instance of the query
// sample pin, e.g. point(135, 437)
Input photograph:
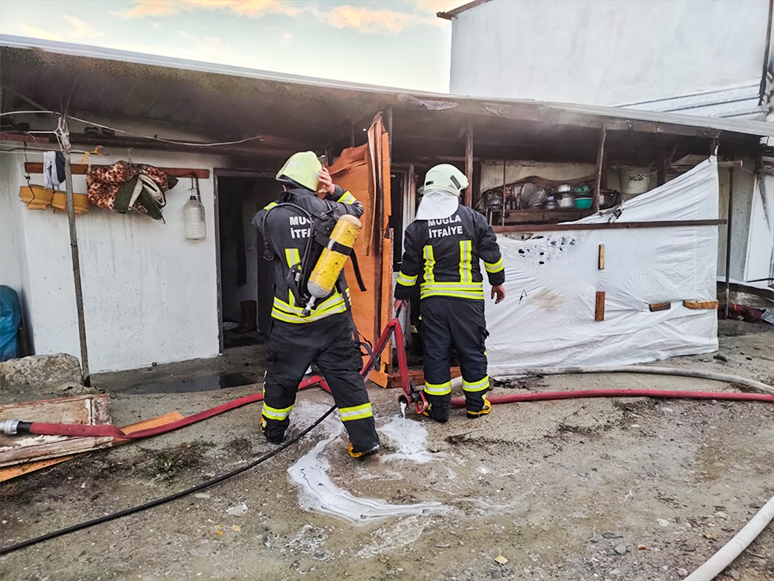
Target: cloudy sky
point(399, 43)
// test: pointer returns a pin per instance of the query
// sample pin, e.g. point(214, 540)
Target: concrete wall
point(150, 295)
point(603, 52)
point(13, 251)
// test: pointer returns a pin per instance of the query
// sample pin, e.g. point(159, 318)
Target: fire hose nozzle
point(9, 427)
point(416, 398)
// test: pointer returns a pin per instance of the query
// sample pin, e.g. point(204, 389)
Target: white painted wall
point(604, 52)
point(13, 252)
point(150, 295)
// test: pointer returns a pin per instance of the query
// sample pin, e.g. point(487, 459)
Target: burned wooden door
point(365, 172)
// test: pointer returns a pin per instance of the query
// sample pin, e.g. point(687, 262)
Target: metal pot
point(567, 201)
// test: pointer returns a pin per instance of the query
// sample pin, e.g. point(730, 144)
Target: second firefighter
point(444, 246)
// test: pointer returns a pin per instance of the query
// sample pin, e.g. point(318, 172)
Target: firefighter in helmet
point(324, 336)
point(444, 245)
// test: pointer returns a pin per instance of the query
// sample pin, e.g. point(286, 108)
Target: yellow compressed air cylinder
point(328, 267)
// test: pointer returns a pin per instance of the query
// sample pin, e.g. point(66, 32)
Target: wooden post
point(661, 169)
point(469, 164)
point(389, 130)
point(76, 267)
point(727, 290)
point(600, 169)
point(601, 263)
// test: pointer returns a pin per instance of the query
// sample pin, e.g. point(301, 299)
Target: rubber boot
point(364, 454)
point(487, 407)
point(274, 430)
point(249, 317)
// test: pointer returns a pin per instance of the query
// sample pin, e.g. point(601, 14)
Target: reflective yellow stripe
point(357, 412)
point(270, 206)
point(429, 263)
point(283, 311)
point(438, 388)
point(473, 290)
point(274, 413)
point(407, 280)
point(494, 267)
point(480, 385)
point(466, 259)
point(292, 257)
point(347, 198)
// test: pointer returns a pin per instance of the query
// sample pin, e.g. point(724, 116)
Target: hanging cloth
point(51, 175)
point(437, 204)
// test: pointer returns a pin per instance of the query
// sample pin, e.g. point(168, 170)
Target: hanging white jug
point(193, 218)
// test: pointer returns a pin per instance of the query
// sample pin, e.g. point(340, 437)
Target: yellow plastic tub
point(36, 197)
point(80, 202)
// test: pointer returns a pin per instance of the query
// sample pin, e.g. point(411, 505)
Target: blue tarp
point(10, 317)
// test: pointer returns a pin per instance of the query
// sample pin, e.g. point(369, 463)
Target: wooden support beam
point(701, 305)
point(521, 228)
point(469, 164)
point(600, 169)
point(655, 307)
point(82, 169)
point(599, 310)
point(601, 263)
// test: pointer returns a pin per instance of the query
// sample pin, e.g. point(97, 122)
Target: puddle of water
point(320, 494)
point(411, 438)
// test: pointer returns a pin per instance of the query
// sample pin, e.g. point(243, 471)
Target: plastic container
point(193, 219)
point(36, 197)
point(583, 203)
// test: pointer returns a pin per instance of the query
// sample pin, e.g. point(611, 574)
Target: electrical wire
point(165, 499)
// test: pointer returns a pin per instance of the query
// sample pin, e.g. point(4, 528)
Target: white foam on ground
point(411, 439)
point(320, 494)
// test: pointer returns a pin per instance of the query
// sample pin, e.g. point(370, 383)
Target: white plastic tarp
point(547, 319)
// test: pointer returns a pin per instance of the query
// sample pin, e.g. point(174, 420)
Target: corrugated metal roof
point(587, 115)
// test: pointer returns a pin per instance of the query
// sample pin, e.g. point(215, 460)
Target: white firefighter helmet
point(447, 178)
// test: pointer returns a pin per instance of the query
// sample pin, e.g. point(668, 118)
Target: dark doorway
point(246, 279)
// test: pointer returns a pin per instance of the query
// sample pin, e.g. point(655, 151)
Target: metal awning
point(222, 103)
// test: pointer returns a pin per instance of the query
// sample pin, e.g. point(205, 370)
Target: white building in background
point(687, 56)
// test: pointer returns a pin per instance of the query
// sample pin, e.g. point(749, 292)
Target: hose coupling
point(9, 427)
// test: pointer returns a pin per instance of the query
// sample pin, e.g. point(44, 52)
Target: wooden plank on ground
point(699, 305)
point(21, 469)
point(655, 307)
point(83, 409)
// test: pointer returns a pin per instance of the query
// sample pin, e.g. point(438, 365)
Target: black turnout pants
point(292, 348)
point(457, 322)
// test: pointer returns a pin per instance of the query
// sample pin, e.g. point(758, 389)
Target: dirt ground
point(603, 489)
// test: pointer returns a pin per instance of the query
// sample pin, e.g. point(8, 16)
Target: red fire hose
point(411, 395)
